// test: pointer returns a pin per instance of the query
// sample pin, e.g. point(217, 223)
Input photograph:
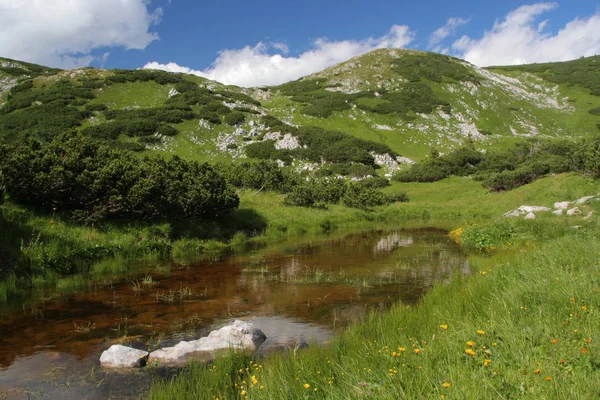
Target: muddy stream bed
point(50, 344)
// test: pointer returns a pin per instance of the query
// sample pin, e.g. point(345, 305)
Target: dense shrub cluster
point(259, 175)
point(43, 112)
point(317, 145)
point(317, 193)
point(416, 97)
point(235, 118)
point(434, 67)
point(92, 181)
point(143, 75)
point(584, 72)
point(505, 170)
point(31, 70)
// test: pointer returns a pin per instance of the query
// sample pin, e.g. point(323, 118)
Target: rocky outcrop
point(118, 356)
point(239, 336)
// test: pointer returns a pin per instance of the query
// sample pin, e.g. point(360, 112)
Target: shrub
point(92, 181)
point(234, 118)
point(362, 197)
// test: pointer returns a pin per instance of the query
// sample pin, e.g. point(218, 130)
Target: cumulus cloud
point(448, 29)
point(256, 66)
point(63, 34)
point(521, 38)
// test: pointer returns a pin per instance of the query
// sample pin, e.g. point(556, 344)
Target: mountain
point(387, 106)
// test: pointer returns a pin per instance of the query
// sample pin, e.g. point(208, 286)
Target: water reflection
point(295, 296)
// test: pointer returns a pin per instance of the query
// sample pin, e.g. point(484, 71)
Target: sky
point(268, 42)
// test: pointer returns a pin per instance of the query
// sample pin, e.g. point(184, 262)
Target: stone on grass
point(239, 336)
point(119, 356)
point(560, 211)
point(583, 200)
point(562, 205)
point(530, 216)
point(513, 213)
point(574, 211)
point(533, 209)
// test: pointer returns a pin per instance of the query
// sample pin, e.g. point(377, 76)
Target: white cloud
point(63, 33)
point(520, 39)
point(254, 66)
point(446, 30)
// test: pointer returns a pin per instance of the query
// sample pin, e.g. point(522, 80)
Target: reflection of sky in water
point(295, 296)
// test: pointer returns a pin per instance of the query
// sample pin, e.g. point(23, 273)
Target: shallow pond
point(50, 344)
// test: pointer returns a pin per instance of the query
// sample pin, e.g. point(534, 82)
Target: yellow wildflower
point(446, 385)
point(486, 362)
point(417, 351)
point(471, 343)
point(480, 332)
point(306, 386)
point(470, 352)
point(444, 327)
point(401, 349)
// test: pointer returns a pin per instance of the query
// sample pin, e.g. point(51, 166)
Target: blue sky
point(235, 41)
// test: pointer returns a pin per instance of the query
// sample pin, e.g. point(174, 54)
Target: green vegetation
point(433, 67)
point(584, 72)
point(20, 69)
point(93, 182)
point(505, 170)
point(522, 325)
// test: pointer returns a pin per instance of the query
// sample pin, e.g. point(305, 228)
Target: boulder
point(533, 209)
point(513, 213)
point(589, 216)
point(560, 211)
point(583, 200)
point(119, 356)
point(574, 211)
point(562, 205)
point(530, 216)
point(239, 336)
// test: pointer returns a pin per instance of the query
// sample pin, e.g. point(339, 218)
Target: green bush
point(92, 181)
point(234, 118)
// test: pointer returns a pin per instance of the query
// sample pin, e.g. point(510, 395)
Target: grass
point(524, 324)
point(52, 249)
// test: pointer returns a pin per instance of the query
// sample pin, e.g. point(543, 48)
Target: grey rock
point(239, 336)
point(583, 200)
point(574, 211)
point(119, 356)
point(560, 211)
point(533, 209)
point(513, 213)
point(562, 205)
point(530, 216)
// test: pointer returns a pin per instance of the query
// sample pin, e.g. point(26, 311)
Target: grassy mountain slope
point(409, 101)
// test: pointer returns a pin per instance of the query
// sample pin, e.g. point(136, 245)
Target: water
point(50, 345)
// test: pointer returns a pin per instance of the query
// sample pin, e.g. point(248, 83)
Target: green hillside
point(397, 102)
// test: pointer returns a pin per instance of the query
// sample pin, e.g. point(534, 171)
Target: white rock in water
point(118, 356)
point(563, 205)
point(584, 200)
point(574, 211)
point(530, 216)
point(533, 209)
point(240, 336)
point(560, 211)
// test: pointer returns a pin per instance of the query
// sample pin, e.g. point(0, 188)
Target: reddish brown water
point(49, 347)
